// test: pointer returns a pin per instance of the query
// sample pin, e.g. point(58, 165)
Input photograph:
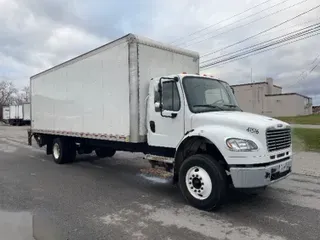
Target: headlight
point(241, 145)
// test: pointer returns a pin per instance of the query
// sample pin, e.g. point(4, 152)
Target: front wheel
point(203, 182)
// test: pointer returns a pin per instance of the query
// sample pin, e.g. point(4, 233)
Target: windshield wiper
point(233, 106)
point(208, 105)
point(230, 105)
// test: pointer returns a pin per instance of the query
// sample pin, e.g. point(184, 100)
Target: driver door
point(165, 123)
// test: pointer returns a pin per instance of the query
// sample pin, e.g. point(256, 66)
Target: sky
point(38, 34)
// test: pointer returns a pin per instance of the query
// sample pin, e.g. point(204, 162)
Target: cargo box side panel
point(20, 112)
point(156, 62)
point(26, 112)
point(89, 97)
point(6, 113)
point(13, 112)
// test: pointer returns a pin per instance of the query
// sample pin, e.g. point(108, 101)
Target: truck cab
point(214, 140)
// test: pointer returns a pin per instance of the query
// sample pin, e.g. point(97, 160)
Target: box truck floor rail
point(139, 95)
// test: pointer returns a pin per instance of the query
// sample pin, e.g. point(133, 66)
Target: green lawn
point(305, 139)
point(309, 119)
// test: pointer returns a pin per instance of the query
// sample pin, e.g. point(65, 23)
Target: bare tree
point(23, 96)
point(7, 93)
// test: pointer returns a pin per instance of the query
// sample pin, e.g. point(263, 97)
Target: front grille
point(278, 139)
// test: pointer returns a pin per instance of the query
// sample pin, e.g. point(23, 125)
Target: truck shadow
point(129, 171)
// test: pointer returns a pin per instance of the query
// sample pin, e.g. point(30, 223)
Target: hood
point(236, 119)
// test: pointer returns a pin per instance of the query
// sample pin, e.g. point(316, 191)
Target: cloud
point(37, 34)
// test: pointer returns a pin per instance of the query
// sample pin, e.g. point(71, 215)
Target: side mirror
point(157, 106)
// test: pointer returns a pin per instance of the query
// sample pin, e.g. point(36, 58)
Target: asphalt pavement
point(114, 199)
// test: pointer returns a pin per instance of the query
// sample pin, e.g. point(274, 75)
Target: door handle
point(152, 126)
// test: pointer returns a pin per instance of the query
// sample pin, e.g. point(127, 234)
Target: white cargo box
point(14, 112)
point(26, 112)
point(102, 94)
point(6, 113)
point(20, 112)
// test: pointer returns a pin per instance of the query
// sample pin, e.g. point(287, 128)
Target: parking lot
point(113, 199)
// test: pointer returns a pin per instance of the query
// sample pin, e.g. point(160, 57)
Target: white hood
point(235, 119)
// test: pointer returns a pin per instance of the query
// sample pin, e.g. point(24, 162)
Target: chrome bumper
point(252, 177)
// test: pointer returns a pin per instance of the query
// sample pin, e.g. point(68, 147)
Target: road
point(111, 199)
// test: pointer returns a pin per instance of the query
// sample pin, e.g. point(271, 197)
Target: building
point(267, 99)
point(316, 109)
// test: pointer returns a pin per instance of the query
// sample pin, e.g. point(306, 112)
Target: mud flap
point(30, 135)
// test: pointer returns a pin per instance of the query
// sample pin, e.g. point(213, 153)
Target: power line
point(212, 25)
point(293, 26)
point(255, 35)
point(301, 75)
point(285, 36)
point(243, 25)
point(258, 52)
point(303, 78)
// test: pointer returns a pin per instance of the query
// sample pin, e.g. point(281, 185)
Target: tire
point(203, 182)
point(63, 151)
point(105, 152)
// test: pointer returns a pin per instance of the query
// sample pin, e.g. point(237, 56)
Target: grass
point(313, 119)
point(305, 139)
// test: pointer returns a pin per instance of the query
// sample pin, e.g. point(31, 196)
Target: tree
point(7, 93)
point(23, 96)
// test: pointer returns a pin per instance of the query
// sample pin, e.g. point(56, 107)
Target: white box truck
point(20, 114)
point(14, 115)
point(138, 95)
point(6, 114)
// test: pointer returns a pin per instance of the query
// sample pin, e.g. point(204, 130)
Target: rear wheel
point(203, 182)
point(105, 152)
point(63, 151)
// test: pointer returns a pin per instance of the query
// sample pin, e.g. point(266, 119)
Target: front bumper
point(253, 177)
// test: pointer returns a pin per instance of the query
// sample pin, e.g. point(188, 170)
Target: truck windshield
point(205, 94)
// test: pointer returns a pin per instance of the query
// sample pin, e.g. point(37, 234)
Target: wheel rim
point(56, 151)
point(198, 183)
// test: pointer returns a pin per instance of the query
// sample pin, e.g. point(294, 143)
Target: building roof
point(255, 83)
point(281, 94)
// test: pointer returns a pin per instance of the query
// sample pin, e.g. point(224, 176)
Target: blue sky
point(37, 34)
